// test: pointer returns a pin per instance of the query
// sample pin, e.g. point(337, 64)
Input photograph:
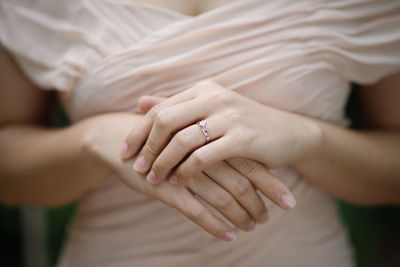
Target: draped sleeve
point(55, 42)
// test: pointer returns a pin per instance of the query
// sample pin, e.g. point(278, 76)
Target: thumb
point(145, 103)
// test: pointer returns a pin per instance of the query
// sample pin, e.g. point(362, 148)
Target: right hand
point(237, 201)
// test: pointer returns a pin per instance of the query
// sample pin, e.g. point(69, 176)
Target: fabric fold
point(300, 56)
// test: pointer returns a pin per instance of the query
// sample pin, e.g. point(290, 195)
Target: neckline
point(179, 14)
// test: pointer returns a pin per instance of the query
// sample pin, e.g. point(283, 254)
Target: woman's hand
point(238, 127)
point(253, 173)
point(237, 201)
point(238, 177)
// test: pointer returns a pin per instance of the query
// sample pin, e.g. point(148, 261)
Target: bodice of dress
point(295, 55)
point(101, 55)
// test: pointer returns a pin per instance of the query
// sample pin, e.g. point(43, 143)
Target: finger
point(181, 145)
point(194, 210)
point(139, 134)
point(267, 183)
point(221, 200)
point(135, 140)
point(136, 137)
point(145, 103)
point(240, 187)
point(182, 199)
point(206, 156)
point(166, 123)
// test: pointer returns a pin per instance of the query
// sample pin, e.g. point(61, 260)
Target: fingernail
point(251, 226)
point(263, 217)
point(173, 179)
point(230, 236)
point(151, 177)
point(140, 164)
point(288, 201)
point(124, 150)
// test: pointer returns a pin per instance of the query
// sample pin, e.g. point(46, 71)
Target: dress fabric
point(101, 55)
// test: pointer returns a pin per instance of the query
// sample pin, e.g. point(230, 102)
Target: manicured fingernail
point(251, 226)
point(288, 201)
point(263, 218)
point(140, 164)
point(124, 150)
point(230, 236)
point(173, 179)
point(151, 177)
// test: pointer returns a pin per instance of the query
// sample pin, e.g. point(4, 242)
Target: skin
point(34, 172)
point(187, 7)
point(261, 178)
point(362, 167)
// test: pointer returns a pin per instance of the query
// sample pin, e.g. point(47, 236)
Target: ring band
point(203, 127)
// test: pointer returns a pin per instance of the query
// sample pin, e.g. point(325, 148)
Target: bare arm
point(39, 165)
point(362, 166)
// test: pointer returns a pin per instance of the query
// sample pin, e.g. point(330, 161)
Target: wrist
point(104, 135)
point(88, 152)
point(312, 137)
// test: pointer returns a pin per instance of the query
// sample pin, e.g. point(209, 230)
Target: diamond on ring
point(203, 127)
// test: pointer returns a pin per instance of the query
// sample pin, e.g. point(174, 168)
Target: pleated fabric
point(101, 55)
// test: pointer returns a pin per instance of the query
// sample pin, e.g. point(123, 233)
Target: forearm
point(42, 166)
point(361, 167)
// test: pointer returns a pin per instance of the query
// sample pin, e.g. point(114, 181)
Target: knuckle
point(222, 97)
point(238, 136)
point(223, 201)
point(243, 187)
point(154, 111)
point(162, 119)
point(234, 115)
point(242, 136)
point(182, 138)
point(150, 148)
point(197, 212)
point(249, 167)
point(182, 175)
point(199, 158)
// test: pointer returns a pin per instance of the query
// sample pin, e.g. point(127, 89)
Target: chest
point(186, 7)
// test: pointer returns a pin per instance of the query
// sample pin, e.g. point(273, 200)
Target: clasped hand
point(246, 138)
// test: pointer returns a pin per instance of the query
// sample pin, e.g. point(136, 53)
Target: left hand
point(240, 177)
point(238, 127)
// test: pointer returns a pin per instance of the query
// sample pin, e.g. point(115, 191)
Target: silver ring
point(203, 127)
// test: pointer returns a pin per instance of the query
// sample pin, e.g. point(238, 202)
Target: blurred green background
point(374, 231)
